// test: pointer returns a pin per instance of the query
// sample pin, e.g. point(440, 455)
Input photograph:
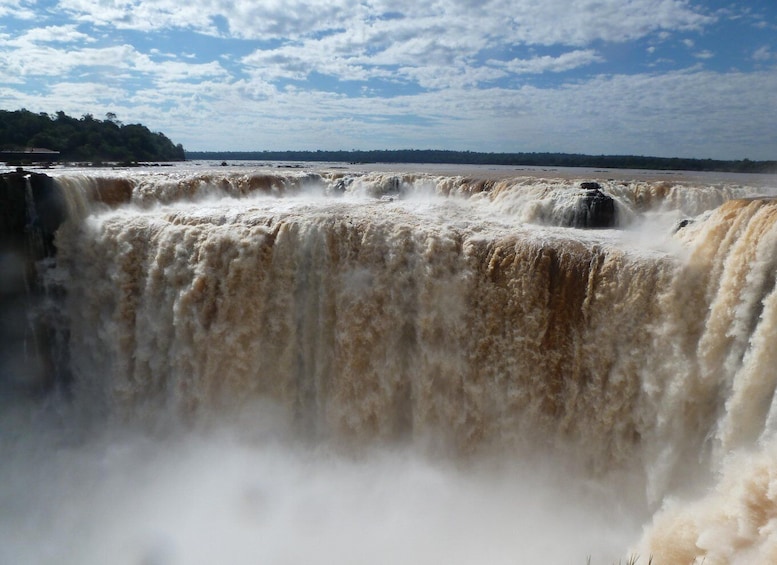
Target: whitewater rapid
point(335, 366)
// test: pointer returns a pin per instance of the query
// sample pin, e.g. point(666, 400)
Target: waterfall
point(471, 319)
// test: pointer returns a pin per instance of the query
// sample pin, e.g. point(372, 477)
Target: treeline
point(512, 159)
point(85, 138)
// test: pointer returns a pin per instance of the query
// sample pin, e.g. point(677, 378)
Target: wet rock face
point(594, 210)
point(12, 209)
point(682, 224)
point(599, 209)
point(31, 211)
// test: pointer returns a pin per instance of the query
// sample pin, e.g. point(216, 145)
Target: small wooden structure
point(30, 155)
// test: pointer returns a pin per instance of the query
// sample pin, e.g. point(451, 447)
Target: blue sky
point(650, 77)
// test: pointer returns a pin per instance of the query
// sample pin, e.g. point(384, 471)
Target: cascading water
point(402, 367)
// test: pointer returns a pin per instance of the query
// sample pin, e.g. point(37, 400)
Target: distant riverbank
point(509, 159)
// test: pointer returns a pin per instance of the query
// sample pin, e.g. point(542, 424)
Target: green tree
point(85, 139)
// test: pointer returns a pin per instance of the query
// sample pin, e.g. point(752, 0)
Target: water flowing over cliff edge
point(508, 350)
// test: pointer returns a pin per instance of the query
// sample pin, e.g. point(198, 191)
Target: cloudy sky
point(690, 78)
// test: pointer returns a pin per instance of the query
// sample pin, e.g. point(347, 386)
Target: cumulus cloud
point(497, 75)
point(19, 9)
point(564, 62)
point(763, 54)
point(428, 42)
point(48, 61)
point(578, 22)
point(685, 113)
point(296, 62)
point(356, 40)
point(141, 15)
point(45, 60)
point(48, 34)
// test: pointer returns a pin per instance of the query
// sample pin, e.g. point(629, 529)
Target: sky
point(671, 78)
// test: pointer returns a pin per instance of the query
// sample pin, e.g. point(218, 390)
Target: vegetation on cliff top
point(85, 139)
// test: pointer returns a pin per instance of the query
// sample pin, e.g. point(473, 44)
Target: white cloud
point(72, 98)
point(431, 42)
point(53, 34)
point(141, 15)
point(763, 54)
point(455, 76)
point(174, 71)
point(50, 62)
point(564, 62)
point(117, 62)
point(460, 59)
point(690, 113)
point(20, 9)
point(95, 93)
point(567, 22)
point(298, 61)
point(434, 45)
point(698, 113)
point(581, 22)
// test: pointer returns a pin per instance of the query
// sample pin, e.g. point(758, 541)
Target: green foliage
point(511, 159)
point(85, 139)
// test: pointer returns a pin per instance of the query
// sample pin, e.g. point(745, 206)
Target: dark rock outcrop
point(682, 224)
point(31, 211)
point(595, 209)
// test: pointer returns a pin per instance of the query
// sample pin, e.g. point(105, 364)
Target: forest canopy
point(85, 138)
point(512, 159)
